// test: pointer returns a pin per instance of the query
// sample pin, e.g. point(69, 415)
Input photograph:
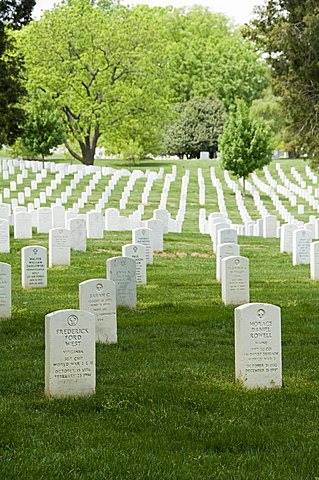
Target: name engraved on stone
point(98, 296)
point(301, 247)
point(258, 360)
point(143, 236)
point(138, 253)
point(122, 271)
point(235, 280)
point(34, 267)
point(59, 247)
point(69, 353)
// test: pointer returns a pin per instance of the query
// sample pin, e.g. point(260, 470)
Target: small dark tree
point(245, 143)
point(44, 128)
point(13, 14)
point(197, 128)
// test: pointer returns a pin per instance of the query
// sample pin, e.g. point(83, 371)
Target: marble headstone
point(235, 280)
point(59, 247)
point(69, 353)
point(98, 296)
point(122, 271)
point(34, 267)
point(138, 253)
point(144, 237)
point(258, 345)
point(5, 290)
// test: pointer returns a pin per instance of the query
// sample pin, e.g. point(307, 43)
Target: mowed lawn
point(166, 406)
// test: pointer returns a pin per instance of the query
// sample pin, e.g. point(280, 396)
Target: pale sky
point(238, 10)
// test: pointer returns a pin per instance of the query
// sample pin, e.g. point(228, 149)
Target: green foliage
point(198, 125)
point(102, 66)
point(44, 128)
point(16, 13)
point(208, 56)
point(245, 143)
point(13, 14)
point(269, 108)
point(288, 31)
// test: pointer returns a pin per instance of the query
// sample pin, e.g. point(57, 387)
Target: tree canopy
point(288, 31)
point(115, 72)
point(102, 67)
point(245, 143)
point(208, 56)
point(198, 125)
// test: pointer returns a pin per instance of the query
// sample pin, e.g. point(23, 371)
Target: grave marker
point(59, 247)
point(98, 296)
point(235, 280)
point(301, 240)
point(314, 260)
point(34, 267)
point(5, 290)
point(143, 237)
point(258, 345)
point(4, 236)
point(138, 253)
point(122, 270)
point(69, 353)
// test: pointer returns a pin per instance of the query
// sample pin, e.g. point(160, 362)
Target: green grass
point(166, 405)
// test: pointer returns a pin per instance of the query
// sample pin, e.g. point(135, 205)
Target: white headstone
point(5, 210)
point(69, 353)
point(95, 225)
point(226, 235)
point(112, 219)
point(5, 290)
point(235, 280)
point(77, 227)
point(301, 240)
point(144, 237)
point(138, 253)
point(98, 296)
point(4, 236)
point(164, 216)
point(270, 226)
point(286, 233)
point(59, 247)
point(44, 220)
point(157, 234)
point(34, 267)
point(258, 345)
point(22, 224)
point(314, 260)
point(225, 250)
point(122, 270)
point(58, 216)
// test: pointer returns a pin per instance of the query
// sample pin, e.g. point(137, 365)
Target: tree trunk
point(244, 187)
point(87, 146)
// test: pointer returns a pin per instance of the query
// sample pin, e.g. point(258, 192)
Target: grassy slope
point(166, 405)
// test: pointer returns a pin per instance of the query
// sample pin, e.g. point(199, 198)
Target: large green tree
point(103, 66)
point(288, 31)
point(209, 56)
point(245, 143)
point(13, 15)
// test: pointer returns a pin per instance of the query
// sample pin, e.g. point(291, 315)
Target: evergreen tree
point(197, 128)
